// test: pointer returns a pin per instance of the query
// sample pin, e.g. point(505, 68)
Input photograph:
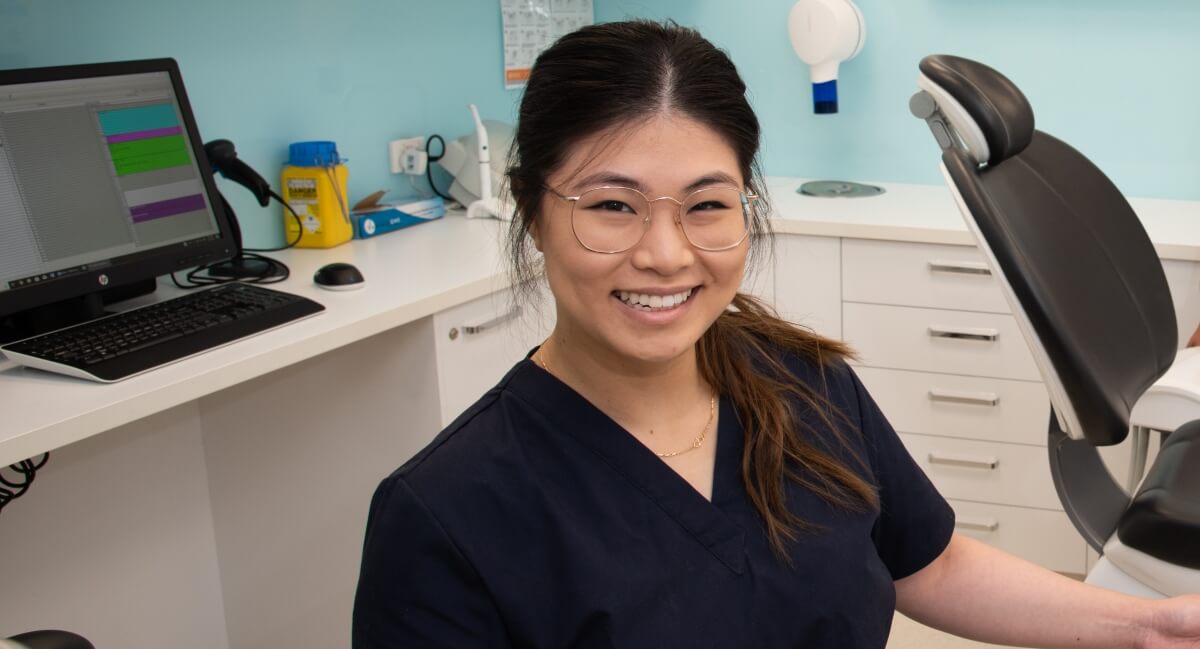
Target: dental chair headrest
point(989, 113)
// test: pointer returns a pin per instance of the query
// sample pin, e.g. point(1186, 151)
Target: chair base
point(1134, 572)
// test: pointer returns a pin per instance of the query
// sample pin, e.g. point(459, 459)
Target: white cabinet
point(942, 355)
point(479, 341)
point(1183, 278)
point(808, 289)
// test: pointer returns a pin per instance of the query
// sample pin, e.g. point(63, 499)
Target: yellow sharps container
point(314, 185)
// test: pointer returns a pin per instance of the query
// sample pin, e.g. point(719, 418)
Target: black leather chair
point(46, 640)
point(1091, 299)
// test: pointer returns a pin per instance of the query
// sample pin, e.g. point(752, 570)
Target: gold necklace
point(696, 443)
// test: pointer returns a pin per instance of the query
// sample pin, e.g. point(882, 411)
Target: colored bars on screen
point(145, 138)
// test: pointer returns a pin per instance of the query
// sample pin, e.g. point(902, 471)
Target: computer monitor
point(103, 187)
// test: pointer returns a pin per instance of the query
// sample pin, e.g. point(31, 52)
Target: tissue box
point(371, 218)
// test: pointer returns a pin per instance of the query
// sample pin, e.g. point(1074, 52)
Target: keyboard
point(119, 346)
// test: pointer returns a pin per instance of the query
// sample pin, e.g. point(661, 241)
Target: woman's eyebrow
point(715, 178)
point(607, 178)
point(612, 178)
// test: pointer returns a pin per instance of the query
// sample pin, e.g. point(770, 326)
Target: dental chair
point(1090, 297)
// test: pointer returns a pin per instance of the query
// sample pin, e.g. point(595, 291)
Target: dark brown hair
point(614, 74)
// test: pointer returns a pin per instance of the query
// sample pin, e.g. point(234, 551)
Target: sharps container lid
point(313, 154)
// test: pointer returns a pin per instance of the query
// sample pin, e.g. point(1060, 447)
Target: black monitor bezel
point(142, 265)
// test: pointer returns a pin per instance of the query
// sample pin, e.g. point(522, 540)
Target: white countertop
point(425, 269)
point(927, 214)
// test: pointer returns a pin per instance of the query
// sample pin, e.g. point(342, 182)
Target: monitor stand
point(69, 312)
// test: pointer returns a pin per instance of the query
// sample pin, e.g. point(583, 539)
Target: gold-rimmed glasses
point(612, 219)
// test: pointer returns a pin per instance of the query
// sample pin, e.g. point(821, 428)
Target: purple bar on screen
point(141, 135)
point(171, 207)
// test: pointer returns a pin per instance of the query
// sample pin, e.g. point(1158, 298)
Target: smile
point(646, 302)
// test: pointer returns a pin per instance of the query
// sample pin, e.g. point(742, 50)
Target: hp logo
point(103, 279)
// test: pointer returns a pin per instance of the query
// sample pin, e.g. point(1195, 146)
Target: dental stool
point(1089, 295)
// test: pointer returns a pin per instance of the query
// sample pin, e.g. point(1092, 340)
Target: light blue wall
point(264, 73)
point(1116, 79)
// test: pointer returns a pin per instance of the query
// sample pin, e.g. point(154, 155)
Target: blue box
point(376, 219)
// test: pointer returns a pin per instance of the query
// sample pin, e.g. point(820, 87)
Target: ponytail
point(739, 357)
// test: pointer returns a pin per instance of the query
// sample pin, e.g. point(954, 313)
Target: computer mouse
point(339, 276)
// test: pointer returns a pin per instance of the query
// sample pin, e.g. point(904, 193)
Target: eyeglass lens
point(614, 219)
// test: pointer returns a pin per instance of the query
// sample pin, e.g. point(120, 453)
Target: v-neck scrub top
point(534, 520)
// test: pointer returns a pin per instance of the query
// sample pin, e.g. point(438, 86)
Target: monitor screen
point(103, 182)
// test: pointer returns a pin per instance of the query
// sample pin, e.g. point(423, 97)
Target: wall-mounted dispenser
point(824, 33)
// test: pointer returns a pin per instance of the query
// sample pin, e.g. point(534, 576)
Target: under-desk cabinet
point(942, 355)
point(479, 341)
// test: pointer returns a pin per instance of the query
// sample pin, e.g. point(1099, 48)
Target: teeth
point(654, 301)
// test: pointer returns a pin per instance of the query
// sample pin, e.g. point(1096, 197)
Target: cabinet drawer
point(960, 406)
point(934, 340)
point(1044, 537)
point(477, 343)
point(919, 274)
point(990, 472)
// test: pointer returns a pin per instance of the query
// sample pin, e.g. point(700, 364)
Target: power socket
point(400, 151)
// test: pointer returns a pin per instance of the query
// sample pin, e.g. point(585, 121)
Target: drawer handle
point(961, 267)
point(976, 398)
point(980, 525)
point(471, 330)
point(956, 460)
point(964, 333)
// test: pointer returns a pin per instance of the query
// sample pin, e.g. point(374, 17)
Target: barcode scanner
point(222, 156)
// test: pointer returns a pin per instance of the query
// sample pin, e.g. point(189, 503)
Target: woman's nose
point(664, 248)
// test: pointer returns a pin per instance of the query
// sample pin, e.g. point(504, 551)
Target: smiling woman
point(675, 466)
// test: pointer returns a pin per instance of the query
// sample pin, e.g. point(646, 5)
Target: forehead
point(665, 153)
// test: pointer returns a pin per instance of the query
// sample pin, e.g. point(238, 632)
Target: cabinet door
point(478, 342)
point(808, 282)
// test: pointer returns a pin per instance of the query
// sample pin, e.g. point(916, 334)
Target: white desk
point(410, 275)
point(220, 502)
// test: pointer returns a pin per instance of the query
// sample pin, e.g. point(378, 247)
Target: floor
point(907, 634)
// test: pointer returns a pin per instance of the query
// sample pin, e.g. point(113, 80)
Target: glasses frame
point(744, 197)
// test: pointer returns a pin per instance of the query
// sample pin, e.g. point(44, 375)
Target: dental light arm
point(824, 33)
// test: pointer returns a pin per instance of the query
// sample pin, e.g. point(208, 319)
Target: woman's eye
point(710, 205)
point(611, 206)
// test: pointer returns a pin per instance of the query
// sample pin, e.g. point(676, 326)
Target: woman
point(675, 466)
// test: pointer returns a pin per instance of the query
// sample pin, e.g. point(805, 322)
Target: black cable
point(432, 159)
point(299, 227)
point(275, 271)
point(15, 488)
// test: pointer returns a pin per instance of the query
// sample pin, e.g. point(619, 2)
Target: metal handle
point(961, 267)
point(989, 463)
point(976, 398)
point(471, 330)
point(964, 333)
point(980, 525)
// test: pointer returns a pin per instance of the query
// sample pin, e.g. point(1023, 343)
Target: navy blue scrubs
point(536, 521)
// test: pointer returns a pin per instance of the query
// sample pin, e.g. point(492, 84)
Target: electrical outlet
point(396, 153)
